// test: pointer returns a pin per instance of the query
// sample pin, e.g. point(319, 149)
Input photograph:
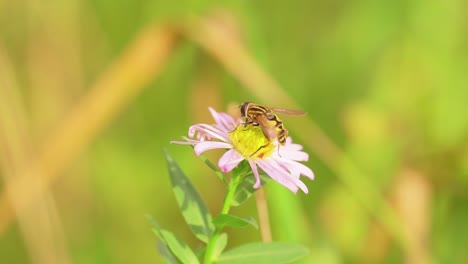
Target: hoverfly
point(266, 118)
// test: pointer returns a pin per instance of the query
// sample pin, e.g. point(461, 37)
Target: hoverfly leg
point(258, 150)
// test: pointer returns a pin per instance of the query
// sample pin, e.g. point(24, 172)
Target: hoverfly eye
point(243, 108)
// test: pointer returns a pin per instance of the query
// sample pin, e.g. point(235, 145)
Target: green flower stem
point(225, 210)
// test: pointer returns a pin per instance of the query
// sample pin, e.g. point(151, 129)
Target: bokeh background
point(92, 91)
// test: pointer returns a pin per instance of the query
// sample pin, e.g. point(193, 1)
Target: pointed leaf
point(156, 228)
point(220, 245)
point(193, 208)
point(223, 220)
point(181, 250)
point(263, 253)
point(246, 189)
point(166, 253)
point(168, 256)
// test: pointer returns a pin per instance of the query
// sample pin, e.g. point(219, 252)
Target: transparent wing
point(269, 132)
point(290, 112)
point(267, 127)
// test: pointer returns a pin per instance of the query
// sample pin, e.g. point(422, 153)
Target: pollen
point(250, 142)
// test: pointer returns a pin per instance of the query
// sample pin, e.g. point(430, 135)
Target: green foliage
point(181, 250)
point(166, 253)
point(172, 248)
point(195, 213)
point(220, 245)
point(193, 208)
point(226, 220)
point(263, 253)
point(163, 247)
point(246, 189)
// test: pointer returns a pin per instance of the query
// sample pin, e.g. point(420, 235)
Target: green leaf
point(246, 189)
point(156, 227)
point(267, 253)
point(220, 245)
point(223, 220)
point(163, 243)
point(242, 169)
point(181, 250)
point(193, 208)
point(200, 252)
point(166, 253)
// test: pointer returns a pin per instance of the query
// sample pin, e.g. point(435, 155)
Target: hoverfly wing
point(267, 128)
point(269, 132)
point(289, 112)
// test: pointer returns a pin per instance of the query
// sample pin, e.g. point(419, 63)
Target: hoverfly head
point(244, 107)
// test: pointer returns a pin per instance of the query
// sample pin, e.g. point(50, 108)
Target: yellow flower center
point(250, 142)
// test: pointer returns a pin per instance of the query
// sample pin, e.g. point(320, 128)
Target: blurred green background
point(386, 81)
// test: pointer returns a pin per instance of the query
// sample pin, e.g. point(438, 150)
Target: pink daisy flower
point(247, 142)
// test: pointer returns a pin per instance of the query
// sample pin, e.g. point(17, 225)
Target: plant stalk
point(225, 210)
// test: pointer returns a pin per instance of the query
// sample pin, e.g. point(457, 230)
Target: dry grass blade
point(263, 215)
point(141, 62)
point(40, 225)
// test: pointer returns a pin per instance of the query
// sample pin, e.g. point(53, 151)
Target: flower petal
point(291, 145)
point(210, 130)
point(297, 167)
point(223, 120)
point(258, 183)
point(181, 142)
point(207, 145)
point(292, 154)
point(278, 174)
point(187, 141)
point(229, 160)
point(303, 187)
